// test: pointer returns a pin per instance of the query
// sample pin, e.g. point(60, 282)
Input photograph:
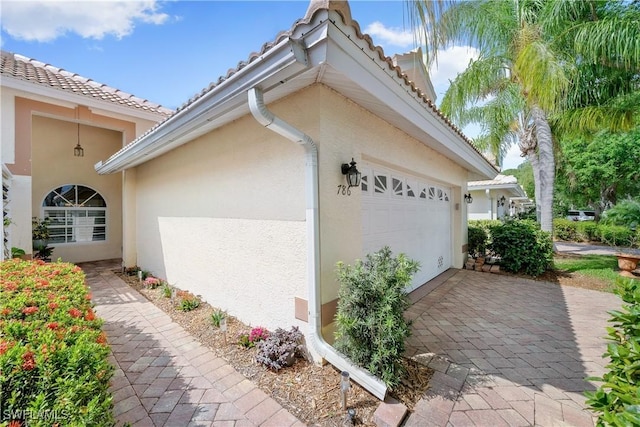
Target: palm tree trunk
point(532, 156)
point(546, 166)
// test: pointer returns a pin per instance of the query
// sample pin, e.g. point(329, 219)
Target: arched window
point(77, 214)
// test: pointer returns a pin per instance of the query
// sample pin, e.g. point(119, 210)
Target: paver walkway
point(508, 351)
point(163, 376)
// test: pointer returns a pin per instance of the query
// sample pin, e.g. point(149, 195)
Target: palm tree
point(534, 77)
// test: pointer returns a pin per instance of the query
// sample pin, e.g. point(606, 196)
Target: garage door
point(409, 215)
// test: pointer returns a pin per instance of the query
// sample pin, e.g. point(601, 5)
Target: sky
point(167, 51)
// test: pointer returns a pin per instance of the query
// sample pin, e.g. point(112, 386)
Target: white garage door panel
point(409, 216)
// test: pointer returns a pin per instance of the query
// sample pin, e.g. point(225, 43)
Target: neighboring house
point(239, 196)
point(497, 198)
point(46, 113)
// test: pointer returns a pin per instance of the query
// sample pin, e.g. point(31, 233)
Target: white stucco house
point(240, 197)
point(49, 117)
point(496, 198)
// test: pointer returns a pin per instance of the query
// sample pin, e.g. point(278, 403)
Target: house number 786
point(346, 191)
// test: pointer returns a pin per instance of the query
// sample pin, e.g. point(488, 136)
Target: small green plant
point(280, 348)
point(40, 228)
point(217, 316)
point(617, 400)
point(522, 247)
point(17, 252)
point(167, 290)
point(371, 326)
point(188, 301)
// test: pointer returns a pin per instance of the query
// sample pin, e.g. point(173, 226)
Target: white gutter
point(319, 346)
point(280, 63)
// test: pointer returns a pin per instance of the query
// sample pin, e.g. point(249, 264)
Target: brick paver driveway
point(508, 351)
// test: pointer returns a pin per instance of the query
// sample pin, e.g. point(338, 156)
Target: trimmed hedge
point(590, 231)
point(53, 355)
point(617, 400)
point(522, 247)
point(477, 241)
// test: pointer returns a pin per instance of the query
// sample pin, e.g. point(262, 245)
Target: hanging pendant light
point(78, 151)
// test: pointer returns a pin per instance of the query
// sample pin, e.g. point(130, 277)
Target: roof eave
point(279, 64)
point(39, 90)
point(413, 111)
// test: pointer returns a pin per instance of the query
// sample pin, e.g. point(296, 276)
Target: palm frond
point(542, 74)
point(614, 41)
point(619, 114)
point(483, 78)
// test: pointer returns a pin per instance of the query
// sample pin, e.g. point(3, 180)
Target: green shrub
point(522, 247)
point(477, 241)
point(617, 400)
point(615, 235)
point(371, 327)
point(587, 231)
point(53, 355)
point(626, 214)
point(565, 229)
point(485, 224)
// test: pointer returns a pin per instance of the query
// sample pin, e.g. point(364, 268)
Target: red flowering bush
point(53, 355)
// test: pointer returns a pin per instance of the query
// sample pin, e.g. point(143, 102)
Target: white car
point(581, 215)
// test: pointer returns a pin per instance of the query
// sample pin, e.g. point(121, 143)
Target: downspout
point(318, 345)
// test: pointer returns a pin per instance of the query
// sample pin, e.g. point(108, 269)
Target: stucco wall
point(18, 109)
point(223, 216)
point(484, 207)
point(350, 131)
point(53, 165)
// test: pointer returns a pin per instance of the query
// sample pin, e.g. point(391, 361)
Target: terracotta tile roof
point(342, 7)
point(30, 70)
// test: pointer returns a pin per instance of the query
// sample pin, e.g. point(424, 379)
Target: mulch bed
point(308, 391)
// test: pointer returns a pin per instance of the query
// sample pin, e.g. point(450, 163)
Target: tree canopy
point(546, 68)
point(601, 170)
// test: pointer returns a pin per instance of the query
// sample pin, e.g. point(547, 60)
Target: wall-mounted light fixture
point(501, 201)
point(78, 151)
point(468, 198)
point(513, 204)
point(351, 173)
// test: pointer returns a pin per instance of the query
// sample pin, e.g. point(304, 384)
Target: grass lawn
point(603, 268)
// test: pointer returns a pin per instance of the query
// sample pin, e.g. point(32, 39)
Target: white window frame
point(80, 224)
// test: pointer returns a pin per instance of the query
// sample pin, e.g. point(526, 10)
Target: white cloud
point(451, 62)
point(45, 21)
point(512, 159)
point(389, 36)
